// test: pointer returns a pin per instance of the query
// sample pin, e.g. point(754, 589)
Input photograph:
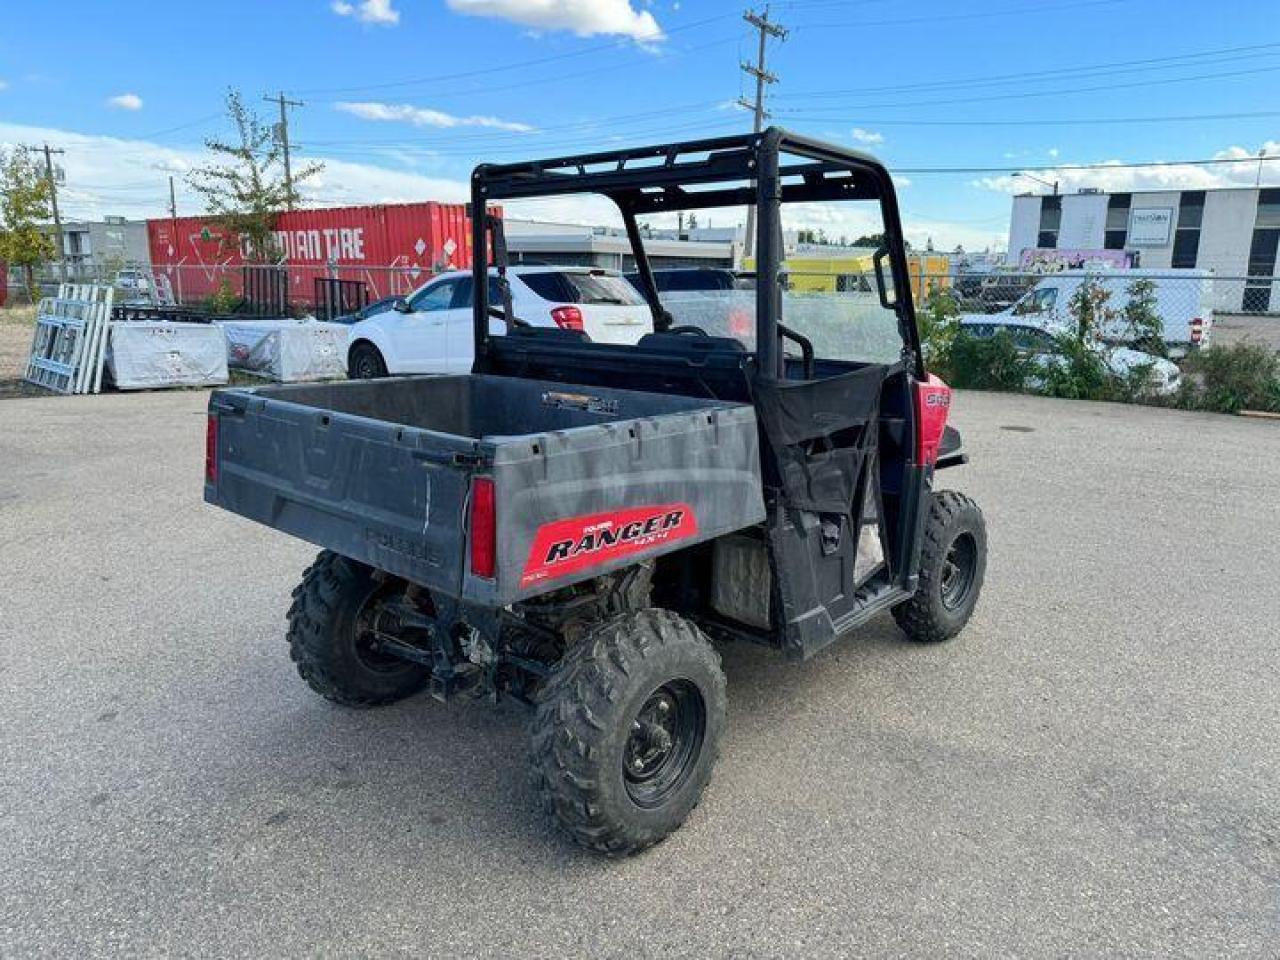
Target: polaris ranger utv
point(573, 522)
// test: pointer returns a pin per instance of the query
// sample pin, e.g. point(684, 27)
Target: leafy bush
point(987, 363)
point(939, 325)
point(1142, 320)
point(1228, 379)
point(1079, 374)
point(1089, 309)
point(224, 299)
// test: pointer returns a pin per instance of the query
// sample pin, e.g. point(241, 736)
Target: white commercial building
point(1235, 232)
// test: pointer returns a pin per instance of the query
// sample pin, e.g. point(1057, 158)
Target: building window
point(1186, 240)
point(1262, 262)
point(1268, 209)
point(1050, 221)
point(1117, 226)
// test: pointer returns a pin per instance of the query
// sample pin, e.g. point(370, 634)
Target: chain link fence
point(1225, 307)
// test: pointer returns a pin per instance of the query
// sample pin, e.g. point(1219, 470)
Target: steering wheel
point(689, 329)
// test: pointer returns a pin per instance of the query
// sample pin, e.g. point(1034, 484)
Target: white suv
point(430, 331)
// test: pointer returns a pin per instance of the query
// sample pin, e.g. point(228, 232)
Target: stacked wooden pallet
point(70, 342)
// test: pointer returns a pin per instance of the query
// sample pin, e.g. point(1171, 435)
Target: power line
point(282, 137)
point(1118, 165)
point(1224, 54)
point(952, 17)
point(766, 29)
point(1056, 121)
point(53, 202)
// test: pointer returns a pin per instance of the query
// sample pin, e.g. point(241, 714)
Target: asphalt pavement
point(1091, 769)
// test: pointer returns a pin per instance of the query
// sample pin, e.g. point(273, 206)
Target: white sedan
point(1163, 375)
point(430, 331)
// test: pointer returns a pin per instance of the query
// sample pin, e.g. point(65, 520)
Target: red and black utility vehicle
point(573, 523)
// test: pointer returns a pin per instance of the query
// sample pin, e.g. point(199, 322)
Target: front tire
point(627, 730)
point(365, 362)
point(330, 639)
point(953, 562)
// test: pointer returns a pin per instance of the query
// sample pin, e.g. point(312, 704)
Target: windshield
point(585, 288)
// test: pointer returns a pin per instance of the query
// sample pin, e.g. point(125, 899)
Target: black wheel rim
point(367, 647)
point(366, 367)
point(664, 743)
point(958, 569)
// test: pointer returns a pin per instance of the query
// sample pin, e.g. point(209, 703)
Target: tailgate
point(391, 496)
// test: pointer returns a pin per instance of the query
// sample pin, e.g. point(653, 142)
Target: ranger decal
point(563, 547)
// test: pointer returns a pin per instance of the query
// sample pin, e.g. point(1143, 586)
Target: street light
point(1028, 176)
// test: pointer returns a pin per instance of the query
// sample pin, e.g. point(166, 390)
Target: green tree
point(1088, 307)
point(244, 189)
point(24, 206)
point(870, 240)
point(1142, 319)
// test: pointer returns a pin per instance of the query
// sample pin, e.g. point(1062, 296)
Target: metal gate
point(336, 298)
point(266, 290)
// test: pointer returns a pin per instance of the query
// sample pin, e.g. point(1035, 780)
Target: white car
point(1163, 375)
point(1182, 300)
point(430, 331)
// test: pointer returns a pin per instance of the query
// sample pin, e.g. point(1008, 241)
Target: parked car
point(368, 310)
point(1182, 301)
point(430, 330)
point(1042, 347)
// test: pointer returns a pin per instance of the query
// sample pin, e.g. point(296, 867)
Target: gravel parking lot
point(1093, 768)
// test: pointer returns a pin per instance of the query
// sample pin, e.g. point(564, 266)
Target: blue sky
point(404, 96)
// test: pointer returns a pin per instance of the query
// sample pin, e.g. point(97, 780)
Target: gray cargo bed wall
point(380, 471)
point(480, 406)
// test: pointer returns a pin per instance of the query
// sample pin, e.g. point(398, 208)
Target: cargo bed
point(582, 480)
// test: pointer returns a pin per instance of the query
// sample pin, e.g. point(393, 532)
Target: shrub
point(939, 325)
point(1142, 320)
point(1080, 372)
point(224, 299)
point(1228, 379)
point(987, 363)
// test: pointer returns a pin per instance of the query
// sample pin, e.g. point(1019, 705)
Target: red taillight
point(740, 325)
point(484, 528)
point(933, 403)
point(1197, 330)
point(211, 450)
point(567, 318)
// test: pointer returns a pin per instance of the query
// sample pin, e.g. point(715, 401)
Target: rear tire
point(953, 562)
point(627, 730)
point(329, 639)
point(365, 362)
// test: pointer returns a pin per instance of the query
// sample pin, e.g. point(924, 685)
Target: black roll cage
point(654, 179)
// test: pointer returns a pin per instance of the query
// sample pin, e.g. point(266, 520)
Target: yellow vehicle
point(853, 273)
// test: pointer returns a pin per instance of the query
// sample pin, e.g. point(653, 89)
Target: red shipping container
point(393, 248)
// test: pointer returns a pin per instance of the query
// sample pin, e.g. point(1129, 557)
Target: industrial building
point(92, 247)
point(1235, 232)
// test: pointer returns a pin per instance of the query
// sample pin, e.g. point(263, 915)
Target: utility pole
point(53, 202)
point(763, 77)
point(282, 134)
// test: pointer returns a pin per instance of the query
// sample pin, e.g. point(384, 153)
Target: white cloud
point(4, 85)
point(1054, 152)
point(867, 136)
point(1112, 176)
point(586, 18)
point(121, 171)
point(125, 101)
point(425, 117)
point(368, 11)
